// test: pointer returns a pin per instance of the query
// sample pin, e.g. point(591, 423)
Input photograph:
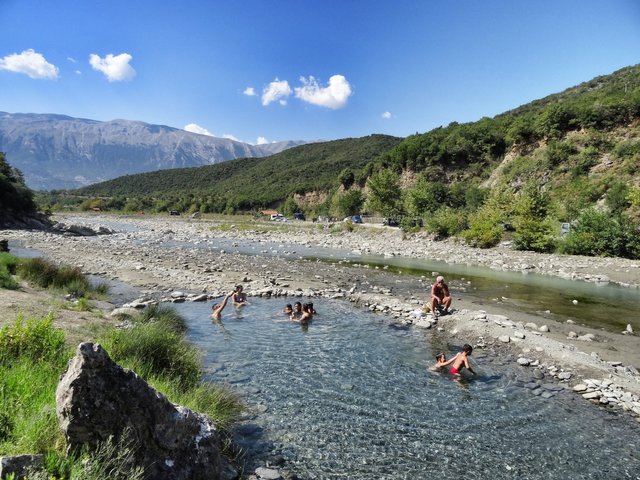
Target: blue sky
point(269, 70)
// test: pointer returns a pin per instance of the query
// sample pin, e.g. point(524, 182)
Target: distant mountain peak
point(56, 151)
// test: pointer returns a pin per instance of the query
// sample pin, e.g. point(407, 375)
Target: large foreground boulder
point(97, 399)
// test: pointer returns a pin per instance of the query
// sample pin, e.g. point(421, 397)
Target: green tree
point(14, 194)
point(290, 207)
point(602, 234)
point(348, 203)
point(385, 195)
point(425, 197)
point(346, 178)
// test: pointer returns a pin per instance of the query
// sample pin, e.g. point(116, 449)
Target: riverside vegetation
point(34, 354)
point(571, 157)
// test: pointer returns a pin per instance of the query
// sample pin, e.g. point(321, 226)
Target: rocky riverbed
point(601, 366)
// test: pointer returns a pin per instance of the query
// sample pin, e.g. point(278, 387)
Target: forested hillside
point(246, 184)
point(572, 157)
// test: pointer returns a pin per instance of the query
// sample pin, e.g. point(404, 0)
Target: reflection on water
point(351, 397)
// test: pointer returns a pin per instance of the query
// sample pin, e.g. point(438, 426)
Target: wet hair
point(288, 306)
point(440, 356)
point(213, 307)
point(466, 348)
point(297, 304)
point(239, 287)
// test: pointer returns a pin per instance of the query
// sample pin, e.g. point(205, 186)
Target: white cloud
point(230, 137)
point(261, 141)
point(386, 115)
point(277, 90)
point(30, 63)
point(250, 92)
point(115, 68)
point(333, 96)
point(194, 128)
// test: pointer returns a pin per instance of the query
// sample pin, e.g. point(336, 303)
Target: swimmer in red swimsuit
point(461, 361)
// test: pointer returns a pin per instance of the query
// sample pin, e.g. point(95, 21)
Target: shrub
point(45, 274)
point(7, 268)
point(164, 315)
point(36, 340)
point(484, 230)
point(533, 234)
point(151, 350)
point(446, 222)
point(600, 234)
point(617, 198)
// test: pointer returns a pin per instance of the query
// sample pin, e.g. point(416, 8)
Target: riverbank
point(134, 255)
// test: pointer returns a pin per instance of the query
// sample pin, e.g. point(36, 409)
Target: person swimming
point(297, 312)
point(216, 308)
point(441, 361)
point(239, 297)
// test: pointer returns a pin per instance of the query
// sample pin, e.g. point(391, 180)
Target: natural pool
point(351, 397)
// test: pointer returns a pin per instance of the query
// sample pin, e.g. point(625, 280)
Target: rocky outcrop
point(97, 399)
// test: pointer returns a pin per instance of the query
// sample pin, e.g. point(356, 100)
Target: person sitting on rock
point(440, 297)
point(216, 308)
point(239, 297)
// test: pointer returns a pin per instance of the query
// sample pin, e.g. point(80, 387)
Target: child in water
point(458, 362)
point(461, 360)
point(441, 361)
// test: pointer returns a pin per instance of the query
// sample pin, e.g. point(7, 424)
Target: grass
point(33, 355)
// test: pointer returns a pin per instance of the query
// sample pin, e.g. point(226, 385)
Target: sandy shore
point(538, 344)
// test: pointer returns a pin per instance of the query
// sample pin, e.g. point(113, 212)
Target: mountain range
point(61, 152)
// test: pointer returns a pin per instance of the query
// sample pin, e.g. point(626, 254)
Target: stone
point(544, 329)
point(538, 374)
point(524, 361)
point(504, 338)
point(268, 473)
point(564, 375)
point(97, 399)
point(519, 335)
point(123, 312)
point(20, 465)
point(581, 387)
point(591, 395)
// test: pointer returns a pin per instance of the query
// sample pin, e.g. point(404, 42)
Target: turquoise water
point(351, 397)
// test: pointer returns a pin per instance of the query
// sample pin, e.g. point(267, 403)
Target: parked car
point(298, 216)
point(356, 219)
point(277, 217)
point(174, 212)
point(390, 222)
